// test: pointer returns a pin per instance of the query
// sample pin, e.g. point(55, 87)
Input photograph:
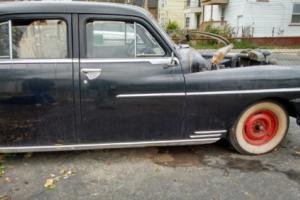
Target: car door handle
point(91, 73)
point(90, 70)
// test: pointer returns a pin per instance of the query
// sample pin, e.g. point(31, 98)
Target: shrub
point(172, 26)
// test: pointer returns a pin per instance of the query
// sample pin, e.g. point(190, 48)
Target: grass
point(240, 45)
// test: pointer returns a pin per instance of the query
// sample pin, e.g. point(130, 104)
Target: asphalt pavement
point(210, 172)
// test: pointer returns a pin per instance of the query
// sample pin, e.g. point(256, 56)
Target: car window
point(116, 39)
point(110, 39)
point(146, 43)
point(4, 40)
point(36, 39)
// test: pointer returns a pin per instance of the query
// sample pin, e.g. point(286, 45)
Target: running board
point(183, 142)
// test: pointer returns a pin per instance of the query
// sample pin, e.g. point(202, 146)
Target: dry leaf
point(5, 197)
point(49, 183)
point(8, 180)
point(28, 155)
point(297, 153)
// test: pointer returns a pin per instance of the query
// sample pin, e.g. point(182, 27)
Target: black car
point(79, 76)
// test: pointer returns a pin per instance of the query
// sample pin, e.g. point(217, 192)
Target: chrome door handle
point(91, 73)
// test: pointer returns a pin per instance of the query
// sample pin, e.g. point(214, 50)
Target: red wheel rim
point(261, 127)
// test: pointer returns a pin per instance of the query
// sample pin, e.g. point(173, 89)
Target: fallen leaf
point(5, 197)
point(297, 153)
point(49, 183)
point(8, 180)
point(2, 170)
point(28, 155)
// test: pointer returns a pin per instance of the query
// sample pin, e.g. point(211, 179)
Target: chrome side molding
point(208, 134)
point(108, 145)
point(255, 91)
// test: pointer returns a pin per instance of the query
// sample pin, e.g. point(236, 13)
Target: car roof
point(70, 7)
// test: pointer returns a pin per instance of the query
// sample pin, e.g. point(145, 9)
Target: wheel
point(260, 128)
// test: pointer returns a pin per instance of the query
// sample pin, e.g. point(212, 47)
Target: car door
point(36, 81)
point(130, 89)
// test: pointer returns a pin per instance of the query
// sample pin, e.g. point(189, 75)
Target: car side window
point(4, 40)
point(110, 39)
point(146, 43)
point(117, 39)
point(34, 39)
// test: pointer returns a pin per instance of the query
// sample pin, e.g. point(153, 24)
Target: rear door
point(130, 91)
point(36, 81)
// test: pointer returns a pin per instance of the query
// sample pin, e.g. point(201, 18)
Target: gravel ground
point(192, 172)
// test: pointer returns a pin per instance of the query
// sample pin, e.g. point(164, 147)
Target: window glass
point(115, 39)
point(146, 43)
point(296, 8)
point(4, 40)
point(296, 14)
point(39, 39)
point(108, 39)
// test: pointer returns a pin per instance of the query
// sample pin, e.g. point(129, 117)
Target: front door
point(36, 81)
point(129, 89)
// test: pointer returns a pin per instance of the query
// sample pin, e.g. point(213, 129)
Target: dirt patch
point(177, 157)
point(246, 165)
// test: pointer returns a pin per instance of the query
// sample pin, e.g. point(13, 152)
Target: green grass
point(240, 45)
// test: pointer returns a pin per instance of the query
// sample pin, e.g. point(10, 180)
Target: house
point(193, 14)
point(150, 5)
point(171, 10)
point(254, 18)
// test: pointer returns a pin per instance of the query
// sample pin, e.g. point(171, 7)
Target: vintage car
point(77, 76)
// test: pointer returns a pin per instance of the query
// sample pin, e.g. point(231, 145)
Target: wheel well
point(285, 103)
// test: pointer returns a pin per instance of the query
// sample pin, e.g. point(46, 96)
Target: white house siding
point(192, 12)
point(261, 19)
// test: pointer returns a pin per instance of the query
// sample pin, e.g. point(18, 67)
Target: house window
point(187, 22)
point(188, 3)
point(296, 14)
point(199, 3)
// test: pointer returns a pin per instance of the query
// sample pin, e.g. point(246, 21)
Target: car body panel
point(53, 105)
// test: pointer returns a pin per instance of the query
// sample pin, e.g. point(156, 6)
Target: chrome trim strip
point(107, 145)
point(10, 40)
point(259, 91)
point(206, 136)
point(210, 132)
point(256, 91)
point(153, 60)
point(150, 95)
point(135, 40)
point(36, 61)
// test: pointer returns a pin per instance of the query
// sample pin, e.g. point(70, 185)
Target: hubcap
point(261, 127)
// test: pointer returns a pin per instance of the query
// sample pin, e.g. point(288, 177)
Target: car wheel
point(260, 128)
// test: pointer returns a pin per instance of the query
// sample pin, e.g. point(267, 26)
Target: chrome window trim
point(10, 40)
point(152, 60)
point(135, 40)
point(36, 61)
point(108, 145)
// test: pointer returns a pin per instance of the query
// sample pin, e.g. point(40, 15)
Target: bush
point(225, 31)
point(172, 26)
